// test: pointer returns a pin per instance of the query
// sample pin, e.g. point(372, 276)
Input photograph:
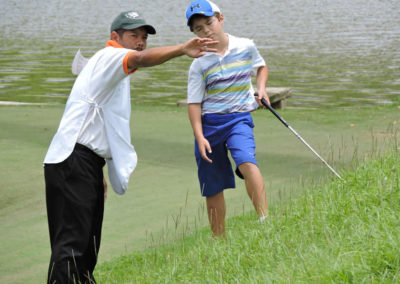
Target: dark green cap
point(131, 20)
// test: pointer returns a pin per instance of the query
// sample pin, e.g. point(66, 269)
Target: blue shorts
point(232, 131)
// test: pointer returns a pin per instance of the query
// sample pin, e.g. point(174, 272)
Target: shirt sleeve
point(257, 60)
point(125, 64)
point(196, 84)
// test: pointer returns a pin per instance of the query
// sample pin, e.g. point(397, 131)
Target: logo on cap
point(132, 15)
point(194, 6)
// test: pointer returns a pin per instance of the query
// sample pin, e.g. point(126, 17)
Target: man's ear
point(114, 36)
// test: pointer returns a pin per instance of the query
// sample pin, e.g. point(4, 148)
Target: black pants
point(75, 207)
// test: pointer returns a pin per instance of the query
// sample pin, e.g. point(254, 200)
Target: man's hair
point(120, 32)
point(200, 16)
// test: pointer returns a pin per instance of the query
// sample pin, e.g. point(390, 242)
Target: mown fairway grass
point(333, 233)
point(163, 193)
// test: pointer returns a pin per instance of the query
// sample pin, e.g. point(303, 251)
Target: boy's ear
point(221, 18)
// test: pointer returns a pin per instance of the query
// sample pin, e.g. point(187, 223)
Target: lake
point(331, 53)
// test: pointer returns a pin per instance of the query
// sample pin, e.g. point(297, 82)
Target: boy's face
point(208, 27)
point(134, 39)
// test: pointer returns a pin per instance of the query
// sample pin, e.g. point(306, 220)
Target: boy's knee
point(247, 165)
point(247, 169)
point(215, 200)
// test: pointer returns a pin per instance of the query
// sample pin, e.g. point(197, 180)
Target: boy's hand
point(204, 148)
point(261, 94)
point(197, 47)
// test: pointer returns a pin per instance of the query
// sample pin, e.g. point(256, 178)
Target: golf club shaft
point(266, 104)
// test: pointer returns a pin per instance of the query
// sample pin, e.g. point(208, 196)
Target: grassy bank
point(333, 233)
point(163, 191)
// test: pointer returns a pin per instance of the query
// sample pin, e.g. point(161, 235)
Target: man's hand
point(105, 189)
point(204, 148)
point(197, 47)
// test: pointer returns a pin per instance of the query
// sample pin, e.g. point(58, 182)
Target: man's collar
point(113, 43)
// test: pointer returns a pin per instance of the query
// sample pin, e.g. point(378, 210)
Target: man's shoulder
point(109, 55)
point(112, 51)
point(102, 52)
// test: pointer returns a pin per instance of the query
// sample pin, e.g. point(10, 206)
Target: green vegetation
point(25, 76)
point(333, 233)
point(163, 192)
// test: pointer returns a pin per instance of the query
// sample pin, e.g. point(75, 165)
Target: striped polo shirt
point(222, 83)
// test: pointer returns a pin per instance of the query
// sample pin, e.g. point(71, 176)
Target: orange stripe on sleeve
point(125, 64)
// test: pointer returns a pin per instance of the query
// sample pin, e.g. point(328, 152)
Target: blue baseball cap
point(202, 7)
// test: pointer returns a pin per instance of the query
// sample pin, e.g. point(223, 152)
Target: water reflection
point(332, 53)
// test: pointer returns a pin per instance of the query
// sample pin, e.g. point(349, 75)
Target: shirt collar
point(113, 43)
point(228, 50)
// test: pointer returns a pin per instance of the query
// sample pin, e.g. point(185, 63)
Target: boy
point(220, 99)
point(95, 128)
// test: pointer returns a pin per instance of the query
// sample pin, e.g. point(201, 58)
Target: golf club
point(265, 103)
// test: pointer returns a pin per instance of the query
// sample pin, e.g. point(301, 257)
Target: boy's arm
point(262, 77)
point(194, 110)
point(195, 47)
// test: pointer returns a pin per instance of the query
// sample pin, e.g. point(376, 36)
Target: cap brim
point(209, 14)
point(149, 29)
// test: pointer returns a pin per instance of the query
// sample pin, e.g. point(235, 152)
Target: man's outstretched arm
point(153, 56)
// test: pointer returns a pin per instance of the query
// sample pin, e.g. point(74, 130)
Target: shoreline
point(12, 103)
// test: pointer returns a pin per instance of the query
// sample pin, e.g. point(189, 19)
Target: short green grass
point(163, 191)
point(334, 232)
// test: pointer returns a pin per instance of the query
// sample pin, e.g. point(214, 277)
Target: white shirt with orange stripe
point(97, 115)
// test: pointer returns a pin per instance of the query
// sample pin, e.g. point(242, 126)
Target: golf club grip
point(267, 105)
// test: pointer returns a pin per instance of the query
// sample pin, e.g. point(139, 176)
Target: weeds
point(333, 233)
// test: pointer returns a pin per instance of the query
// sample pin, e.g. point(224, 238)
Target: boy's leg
point(216, 210)
point(255, 187)
point(242, 147)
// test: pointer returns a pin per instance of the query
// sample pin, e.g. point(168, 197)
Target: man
point(95, 128)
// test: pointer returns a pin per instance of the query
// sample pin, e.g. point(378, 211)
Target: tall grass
point(332, 233)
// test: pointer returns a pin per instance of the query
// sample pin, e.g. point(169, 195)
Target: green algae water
point(331, 53)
